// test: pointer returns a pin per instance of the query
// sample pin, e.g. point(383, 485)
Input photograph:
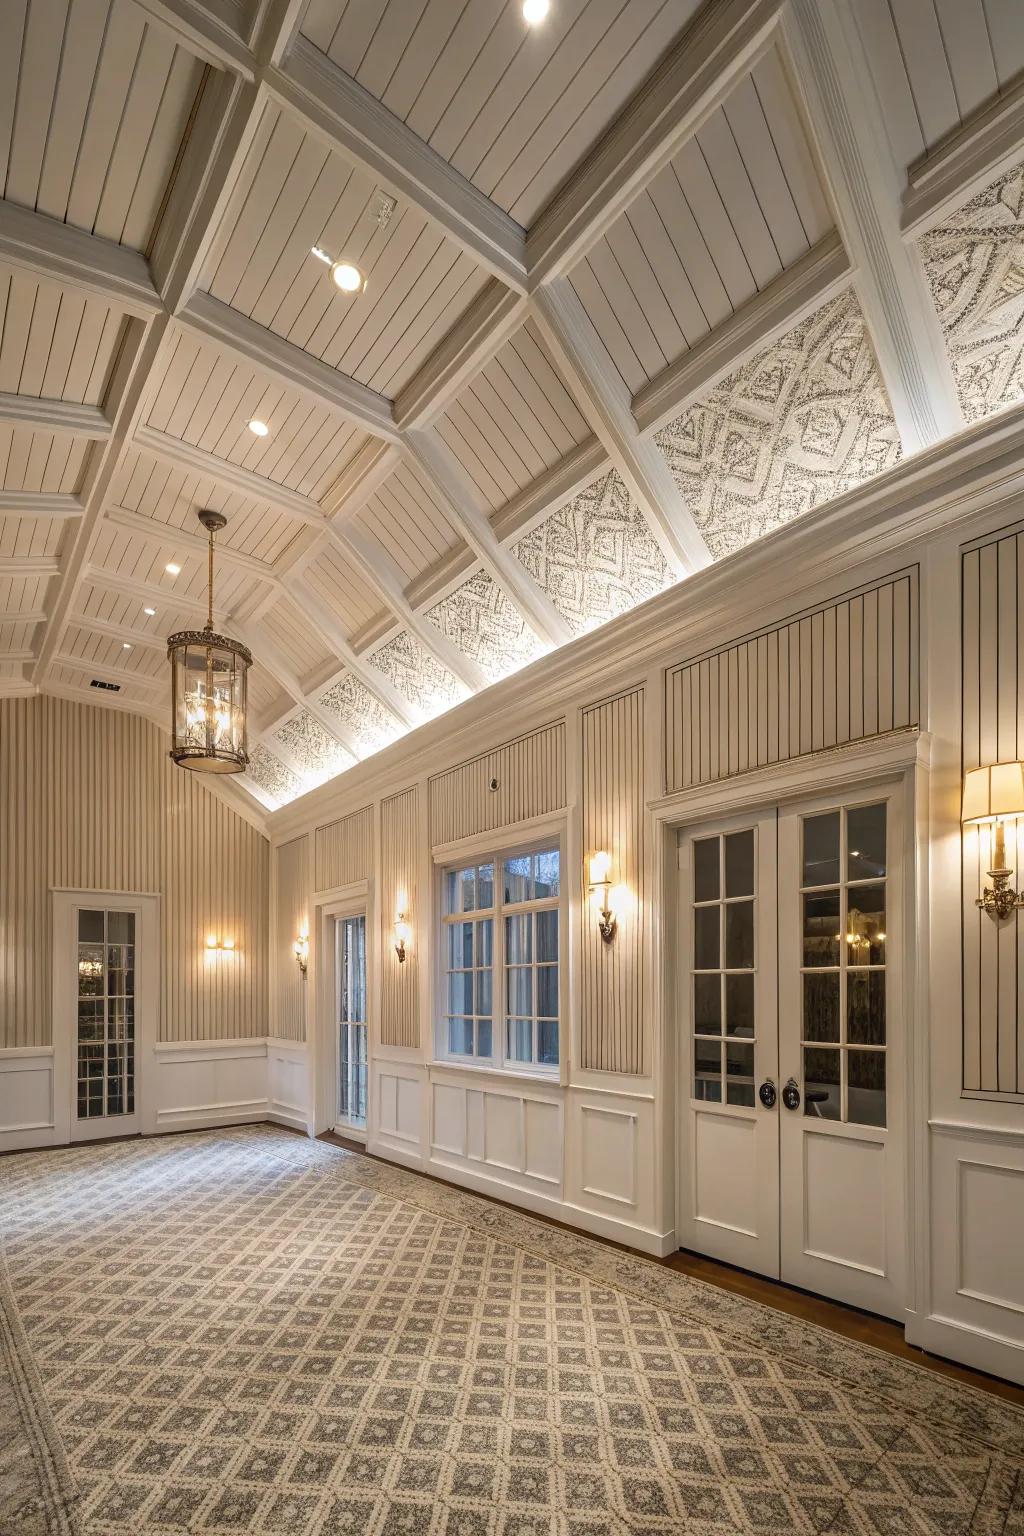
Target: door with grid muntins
point(104, 1064)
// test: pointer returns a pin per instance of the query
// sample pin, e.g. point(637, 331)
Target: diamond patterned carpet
point(244, 1331)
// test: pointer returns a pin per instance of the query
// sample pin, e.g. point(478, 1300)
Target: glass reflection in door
point(350, 937)
point(106, 1014)
point(722, 971)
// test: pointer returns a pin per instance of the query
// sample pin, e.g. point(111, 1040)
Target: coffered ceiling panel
point(266, 700)
point(140, 664)
point(284, 626)
point(124, 555)
point(408, 523)
point(301, 195)
point(347, 594)
point(30, 536)
point(736, 206)
point(40, 461)
point(15, 637)
point(104, 605)
point(22, 594)
point(54, 344)
point(512, 108)
point(934, 62)
point(94, 103)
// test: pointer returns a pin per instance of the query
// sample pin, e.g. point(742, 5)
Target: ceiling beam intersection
point(269, 658)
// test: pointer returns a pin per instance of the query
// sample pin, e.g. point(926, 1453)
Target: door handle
point(766, 1093)
point(791, 1094)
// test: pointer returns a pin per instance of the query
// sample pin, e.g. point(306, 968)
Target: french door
point(791, 1102)
point(350, 977)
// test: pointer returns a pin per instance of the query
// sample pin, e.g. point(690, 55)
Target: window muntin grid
point(843, 899)
point(105, 1067)
point(502, 918)
point(350, 941)
point(723, 967)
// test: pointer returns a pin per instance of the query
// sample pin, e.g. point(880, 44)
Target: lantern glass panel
point(209, 680)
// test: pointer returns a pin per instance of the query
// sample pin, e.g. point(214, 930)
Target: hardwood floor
point(865, 1327)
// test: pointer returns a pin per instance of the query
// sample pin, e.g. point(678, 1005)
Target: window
point(501, 918)
point(723, 968)
point(350, 938)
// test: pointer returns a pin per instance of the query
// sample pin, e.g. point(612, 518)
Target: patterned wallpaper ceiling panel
point(974, 261)
point(267, 772)
point(364, 716)
point(320, 754)
point(417, 675)
point(803, 421)
point(596, 557)
point(484, 623)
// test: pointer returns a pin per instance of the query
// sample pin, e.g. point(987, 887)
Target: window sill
point(549, 1075)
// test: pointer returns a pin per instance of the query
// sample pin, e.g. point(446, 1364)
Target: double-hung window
point(501, 920)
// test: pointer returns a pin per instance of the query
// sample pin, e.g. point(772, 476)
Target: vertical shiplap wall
point(291, 918)
point(992, 731)
point(89, 799)
point(613, 1022)
point(528, 777)
point(400, 841)
point(343, 850)
point(835, 674)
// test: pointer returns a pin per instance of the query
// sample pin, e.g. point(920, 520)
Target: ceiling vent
point(98, 682)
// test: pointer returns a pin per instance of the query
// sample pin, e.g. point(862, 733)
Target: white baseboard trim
point(196, 1117)
point(995, 1354)
point(292, 1115)
point(392, 1154)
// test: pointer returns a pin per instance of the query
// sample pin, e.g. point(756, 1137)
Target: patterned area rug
point(244, 1331)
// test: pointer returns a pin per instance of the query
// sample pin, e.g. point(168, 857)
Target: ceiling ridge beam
point(445, 477)
point(819, 275)
point(55, 252)
point(57, 416)
point(52, 504)
point(165, 533)
point(494, 315)
point(172, 450)
point(323, 624)
point(830, 76)
point(269, 658)
point(605, 402)
point(964, 162)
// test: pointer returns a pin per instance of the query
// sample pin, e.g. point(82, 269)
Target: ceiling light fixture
point(149, 612)
point(258, 428)
point(172, 569)
point(347, 277)
point(125, 646)
point(534, 11)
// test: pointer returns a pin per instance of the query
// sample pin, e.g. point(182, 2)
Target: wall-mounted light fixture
point(214, 942)
point(600, 886)
point(300, 949)
point(403, 936)
point(990, 795)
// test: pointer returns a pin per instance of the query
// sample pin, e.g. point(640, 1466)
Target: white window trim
point(481, 850)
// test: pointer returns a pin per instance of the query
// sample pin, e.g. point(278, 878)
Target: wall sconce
point(213, 943)
point(403, 937)
point(990, 794)
point(600, 895)
point(300, 949)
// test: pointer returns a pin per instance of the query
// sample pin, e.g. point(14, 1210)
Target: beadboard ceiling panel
point(331, 577)
point(54, 344)
point(118, 553)
point(935, 62)
point(138, 664)
point(94, 104)
point(408, 523)
point(126, 611)
point(16, 636)
point(22, 594)
point(40, 461)
point(512, 108)
point(30, 536)
point(285, 627)
point(207, 399)
point(300, 195)
point(738, 204)
point(78, 674)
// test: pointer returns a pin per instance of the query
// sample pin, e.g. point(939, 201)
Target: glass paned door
point(105, 1055)
point(350, 938)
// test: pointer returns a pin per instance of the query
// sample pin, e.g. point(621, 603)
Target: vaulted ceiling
point(642, 283)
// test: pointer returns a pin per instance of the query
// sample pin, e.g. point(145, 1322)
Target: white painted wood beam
point(323, 623)
point(831, 76)
point(445, 476)
point(171, 450)
point(57, 253)
point(147, 592)
point(23, 616)
point(495, 314)
point(45, 504)
point(965, 162)
point(605, 402)
point(267, 656)
point(361, 478)
point(550, 491)
point(204, 31)
point(17, 688)
point(105, 672)
point(57, 416)
point(817, 277)
point(29, 565)
point(123, 632)
point(345, 117)
point(143, 527)
point(724, 41)
point(16, 658)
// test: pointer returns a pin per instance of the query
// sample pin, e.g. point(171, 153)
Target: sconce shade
point(992, 792)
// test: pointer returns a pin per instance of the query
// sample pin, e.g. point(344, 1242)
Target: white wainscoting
point(493, 1127)
point(397, 1116)
point(210, 1082)
point(26, 1097)
point(289, 1096)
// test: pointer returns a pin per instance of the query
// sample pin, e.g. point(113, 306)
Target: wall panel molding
point(291, 917)
point(399, 851)
point(614, 1028)
point(841, 672)
point(343, 851)
point(530, 781)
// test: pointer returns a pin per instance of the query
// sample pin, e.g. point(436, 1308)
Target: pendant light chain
point(209, 585)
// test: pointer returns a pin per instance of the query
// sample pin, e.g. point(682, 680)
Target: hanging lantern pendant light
point(209, 682)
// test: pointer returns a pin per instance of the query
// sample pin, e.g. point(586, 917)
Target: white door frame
point(66, 903)
point(345, 901)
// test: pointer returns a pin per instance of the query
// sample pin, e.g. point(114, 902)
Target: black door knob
point(791, 1094)
point(766, 1093)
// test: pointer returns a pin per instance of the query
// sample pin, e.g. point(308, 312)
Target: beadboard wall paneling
point(530, 774)
point(291, 917)
point(399, 844)
point(830, 675)
point(992, 703)
point(613, 1021)
point(90, 800)
point(343, 850)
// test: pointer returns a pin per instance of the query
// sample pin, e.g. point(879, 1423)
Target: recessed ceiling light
point(534, 11)
point(149, 612)
point(347, 277)
point(258, 428)
point(125, 646)
point(172, 569)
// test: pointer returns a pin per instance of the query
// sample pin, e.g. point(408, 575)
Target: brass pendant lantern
point(209, 676)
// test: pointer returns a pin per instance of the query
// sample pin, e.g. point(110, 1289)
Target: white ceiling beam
point(52, 504)
point(58, 416)
point(495, 314)
point(16, 658)
point(831, 75)
point(818, 276)
point(57, 253)
point(201, 31)
point(322, 622)
point(269, 658)
point(724, 41)
point(105, 671)
point(337, 110)
point(171, 450)
point(123, 632)
point(361, 478)
point(983, 148)
point(605, 402)
point(23, 616)
point(29, 565)
point(445, 476)
point(146, 592)
point(86, 695)
point(208, 319)
point(143, 527)
point(551, 490)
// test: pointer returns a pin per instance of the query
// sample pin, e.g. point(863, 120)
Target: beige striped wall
point(834, 674)
point(89, 799)
point(400, 842)
point(292, 917)
point(343, 851)
point(992, 731)
point(614, 1027)
point(528, 777)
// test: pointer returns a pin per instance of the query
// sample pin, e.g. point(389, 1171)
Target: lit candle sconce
point(600, 887)
point(403, 936)
point(301, 951)
point(214, 943)
point(990, 795)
